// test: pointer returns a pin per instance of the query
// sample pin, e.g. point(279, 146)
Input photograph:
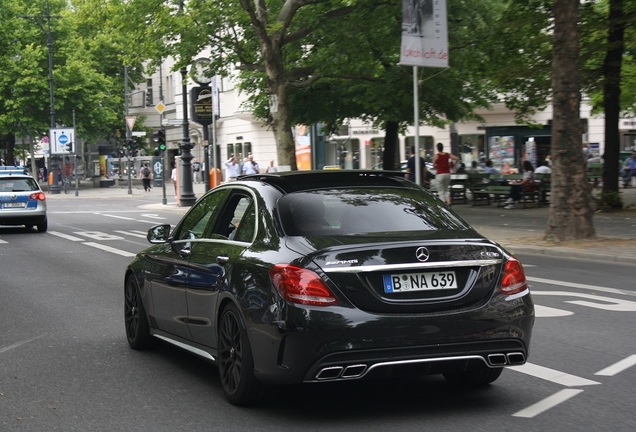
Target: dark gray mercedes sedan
point(309, 277)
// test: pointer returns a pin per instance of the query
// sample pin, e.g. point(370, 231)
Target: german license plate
point(14, 205)
point(430, 281)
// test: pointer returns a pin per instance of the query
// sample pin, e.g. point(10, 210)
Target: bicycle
point(66, 185)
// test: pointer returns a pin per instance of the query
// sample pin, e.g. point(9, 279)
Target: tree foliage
point(87, 69)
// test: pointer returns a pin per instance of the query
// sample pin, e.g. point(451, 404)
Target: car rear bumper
point(23, 217)
point(328, 346)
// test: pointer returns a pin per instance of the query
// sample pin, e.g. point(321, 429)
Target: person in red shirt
point(443, 163)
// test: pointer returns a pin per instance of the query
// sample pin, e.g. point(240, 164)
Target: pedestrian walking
point(146, 176)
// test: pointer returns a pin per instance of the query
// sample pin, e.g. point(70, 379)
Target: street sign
point(62, 140)
point(160, 107)
point(138, 133)
point(130, 121)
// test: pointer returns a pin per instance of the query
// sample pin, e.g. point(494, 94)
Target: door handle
point(222, 259)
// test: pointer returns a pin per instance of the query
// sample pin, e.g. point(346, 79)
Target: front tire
point(137, 328)
point(474, 378)
point(236, 365)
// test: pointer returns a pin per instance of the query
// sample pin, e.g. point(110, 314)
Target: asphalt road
point(65, 364)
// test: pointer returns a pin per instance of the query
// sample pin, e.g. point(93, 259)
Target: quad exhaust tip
point(358, 370)
point(509, 359)
point(341, 372)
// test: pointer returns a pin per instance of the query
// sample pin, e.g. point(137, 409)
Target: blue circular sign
point(63, 139)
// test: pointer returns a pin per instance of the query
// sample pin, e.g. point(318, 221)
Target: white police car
point(22, 202)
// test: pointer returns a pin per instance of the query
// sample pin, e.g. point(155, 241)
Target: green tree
point(87, 69)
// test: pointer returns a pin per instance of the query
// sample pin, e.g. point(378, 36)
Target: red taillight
point(38, 196)
point(302, 286)
point(514, 278)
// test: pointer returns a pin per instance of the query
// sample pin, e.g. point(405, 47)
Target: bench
point(594, 173)
point(458, 188)
point(477, 186)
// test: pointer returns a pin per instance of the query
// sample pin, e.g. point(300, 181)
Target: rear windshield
point(364, 211)
point(15, 184)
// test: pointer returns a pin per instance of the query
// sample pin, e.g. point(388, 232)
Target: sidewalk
point(520, 230)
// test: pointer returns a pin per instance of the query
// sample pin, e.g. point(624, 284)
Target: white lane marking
point(553, 375)
point(110, 249)
point(98, 235)
point(3, 242)
point(65, 236)
point(618, 367)
point(139, 234)
point(578, 285)
point(547, 403)
point(116, 217)
point(17, 344)
point(546, 312)
point(609, 304)
point(152, 216)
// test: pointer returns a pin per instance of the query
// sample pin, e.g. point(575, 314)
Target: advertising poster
point(501, 150)
point(424, 33)
point(302, 139)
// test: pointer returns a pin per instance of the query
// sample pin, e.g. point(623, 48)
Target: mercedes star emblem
point(422, 254)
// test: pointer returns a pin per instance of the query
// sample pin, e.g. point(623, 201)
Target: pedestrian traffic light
point(149, 97)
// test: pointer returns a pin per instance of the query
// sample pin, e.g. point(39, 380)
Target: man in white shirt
point(250, 167)
point(543, 168)
point(232, 169)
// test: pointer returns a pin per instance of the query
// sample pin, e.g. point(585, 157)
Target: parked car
point(22, 202)
point(308, 277)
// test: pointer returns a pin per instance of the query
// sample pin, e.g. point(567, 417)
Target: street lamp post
point(54, 187)
point(186, 198)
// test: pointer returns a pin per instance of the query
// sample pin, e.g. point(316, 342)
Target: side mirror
point(159, 234)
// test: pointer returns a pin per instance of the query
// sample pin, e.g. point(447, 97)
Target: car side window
point(236, 217)
point(199, 220)
point(247, 226)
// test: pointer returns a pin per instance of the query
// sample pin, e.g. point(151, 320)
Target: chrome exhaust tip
point(329, 373)
point(516, 358)
point(354, 371)
point(497, 359)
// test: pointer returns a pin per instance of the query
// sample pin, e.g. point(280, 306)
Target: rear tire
point(137, 327)
point(480, 377)
point(236, 364)
point(43, 226)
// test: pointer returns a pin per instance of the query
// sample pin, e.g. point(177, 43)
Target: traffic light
point(159, 138)
point(149, 97)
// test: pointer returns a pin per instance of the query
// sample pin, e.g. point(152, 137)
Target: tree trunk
point(282, 128)
point(391, 154)
point(571, 213)
point(612, 95)
point(7, 145)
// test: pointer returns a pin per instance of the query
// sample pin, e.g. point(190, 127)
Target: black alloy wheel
point(236, 366)
point(137, 328)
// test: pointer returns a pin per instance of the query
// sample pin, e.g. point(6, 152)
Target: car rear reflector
point(302, 286)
